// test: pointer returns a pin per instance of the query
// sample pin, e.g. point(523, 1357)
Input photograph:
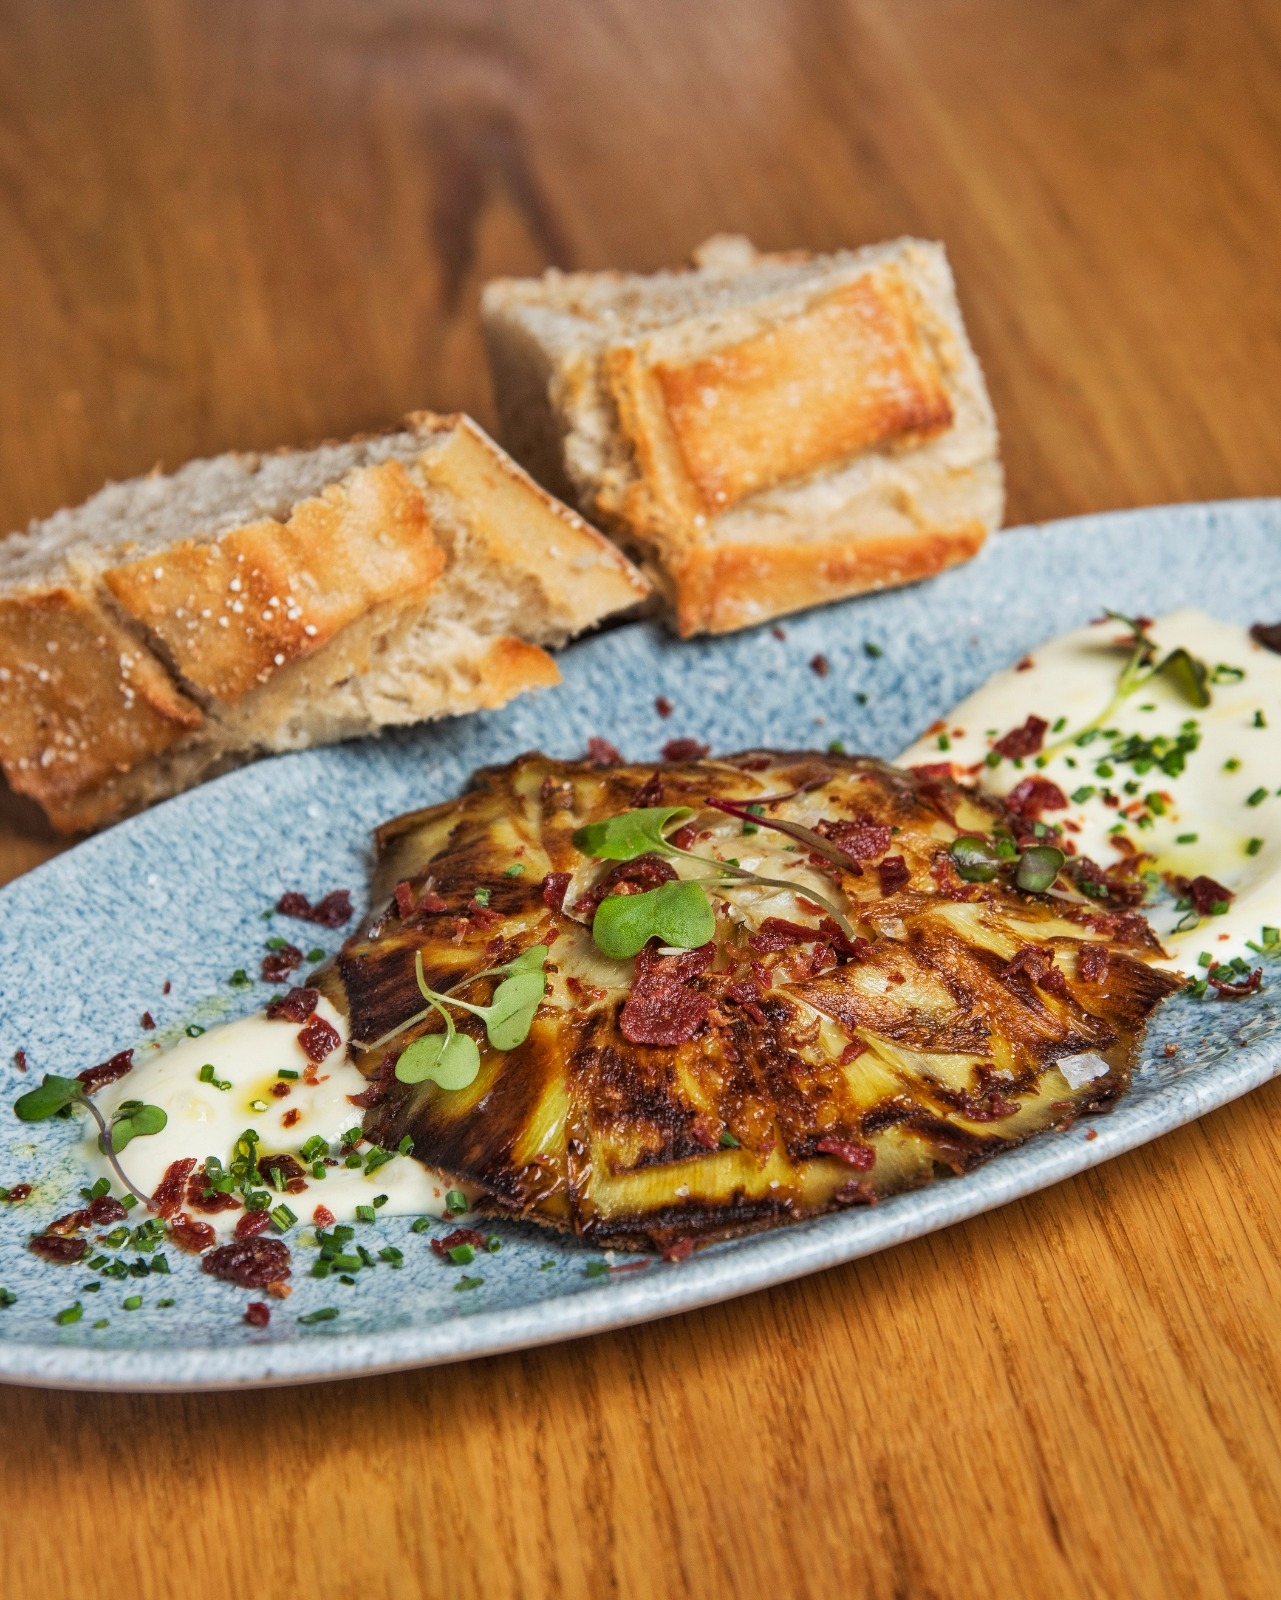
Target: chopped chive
point(315, 953)
point(318, 1171)
point(871, 650)
point(1257, 798)
point(1219, 908)
point(469, 1283)
point(455, 1203)
point(283, 1217)
point(132, 1302)
point(240, 979)
point(7, 1298)
point(379, 1200)
point(259, 1105)
point(1205, 959)
point(194, 1030)
point(1231, 764)
point(728, 1141)
point(276, 943)
point(320, 1269)
point(1272, 936)
point(287, 1072)
point(366, 1257)
point(481, 896)
point(993, 758)
point(836, 747)
point(128, 1201)
point(1253, 846)
point(325, 1314)
point(546, 1266)
point(420, 1225)
point(353, 1160)
point(378, 1157)
point(514, 871)
point(391, 1255)
point(596, 1269)
point(1260, 721)
point(365, 1214)
point(462, 1255)
point(1105, 769)
point(1059, 725)
point(1084, 793)
point(352, 1136)
point(1185, 838)
point(944, 743)
point(315, 1146)
point(406, 1146)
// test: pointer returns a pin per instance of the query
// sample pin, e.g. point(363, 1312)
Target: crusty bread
point(763, 432)
point(174, 626)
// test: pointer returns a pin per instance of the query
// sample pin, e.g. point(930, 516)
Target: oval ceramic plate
point(177, 895)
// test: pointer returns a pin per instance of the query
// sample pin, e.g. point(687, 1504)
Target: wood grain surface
point(260, 222)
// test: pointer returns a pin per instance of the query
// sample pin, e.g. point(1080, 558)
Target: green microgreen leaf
point(53, 1095)
point(1188, 676)
point(975, 860)
point(1038, 867)
point(630, 834)
point(510, 1013)
point(677, 913)
point(450, 1059)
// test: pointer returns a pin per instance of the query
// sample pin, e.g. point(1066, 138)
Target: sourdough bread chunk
point(763, 432)
point(175, 626)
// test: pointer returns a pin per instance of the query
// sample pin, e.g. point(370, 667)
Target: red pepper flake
point(291, 1117)
point(451, 1241)
point(854, 1153)
point(331, 912)
point(777, 933)
point(679, 1249)
point(1026, 665)
point(257, 1314)
point(1206, 894)
point(56, 1247)
point(323, 1217)
point(296, 1006)
point(1037, 965)
point(280, 1091)
point(148, 1021)
point(278, 964)
point(820, 666)
point(650, 793)
point(1092, 963)
point(482, 916)
point(319, 1039)
point(20, 1060)
point(663, 706)
point(104, 1210)
point(554, 886)
point(168, 986)
point(853, 1050)
point(931, 771)
point(106, 1072)
point(71, 1223)
point(291, 1175)
point(861, 841)
point(18, 1193)
point(252, 1224)
point(173, 1186)
point(894, 874)
point(404, 896)
point(748, 996)
point(600, 753)
point(778, 633)
point(1237, 991)
point(279, 1290)
point(1024, 741)
point(431, 905)
point(1171, 1050)
point(685, 837)
point(684, 750)
point(190, 1235)
point(250, 1263)
point(1033, 796)
point(662, 1007)
point(1091, 1133)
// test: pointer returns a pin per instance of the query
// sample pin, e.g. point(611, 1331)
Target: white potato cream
point(1219, 817)
point(206, 1120)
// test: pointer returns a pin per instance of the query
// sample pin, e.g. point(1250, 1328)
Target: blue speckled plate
point(87, 942)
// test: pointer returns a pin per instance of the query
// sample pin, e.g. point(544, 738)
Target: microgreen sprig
point(679, 913)
point(452, 1059)
point(131, 1119)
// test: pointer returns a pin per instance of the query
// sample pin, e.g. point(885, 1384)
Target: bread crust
point(720, 588)
point(125, 681)
point(81, 699)
point(781, 427)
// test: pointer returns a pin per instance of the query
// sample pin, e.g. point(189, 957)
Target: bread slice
point(174, 626)
point(763, 432)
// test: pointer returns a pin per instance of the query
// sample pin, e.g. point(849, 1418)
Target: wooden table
point(258, 222)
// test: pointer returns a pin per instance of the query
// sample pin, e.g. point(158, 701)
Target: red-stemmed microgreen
point(132, 1119)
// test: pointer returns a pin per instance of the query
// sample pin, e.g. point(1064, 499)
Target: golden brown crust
point(722, 587)
point(849, 371)
point(80, 700)
point(509, 667)
point(231, 611)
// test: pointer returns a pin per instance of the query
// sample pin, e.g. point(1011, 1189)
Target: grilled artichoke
point(864, 1021)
